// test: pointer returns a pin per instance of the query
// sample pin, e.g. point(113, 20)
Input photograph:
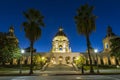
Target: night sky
point(60, 13)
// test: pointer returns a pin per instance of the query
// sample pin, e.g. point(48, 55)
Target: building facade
point(105, 55)
point(106, 41)
point(61, 53)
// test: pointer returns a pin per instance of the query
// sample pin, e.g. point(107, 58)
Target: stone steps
point(60, 67)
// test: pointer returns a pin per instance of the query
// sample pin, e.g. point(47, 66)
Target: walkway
point(63, 77)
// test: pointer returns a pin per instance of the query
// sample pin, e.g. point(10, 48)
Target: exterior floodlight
point(22, 51)
point(95, 50)
point(43, 58)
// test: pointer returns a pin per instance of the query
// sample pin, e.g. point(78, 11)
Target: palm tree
point(85, 22)
point(32, 28)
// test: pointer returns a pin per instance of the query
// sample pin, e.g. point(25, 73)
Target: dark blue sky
point(57, 13)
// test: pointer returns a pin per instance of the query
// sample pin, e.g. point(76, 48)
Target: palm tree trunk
point(88, 47)
point(31, 55)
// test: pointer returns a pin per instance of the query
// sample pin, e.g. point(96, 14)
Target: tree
point(80, 60)
point(9, 49)
point(2, 38)
point(85, 22)
point(115, 47)
point(32, 28)
point(39, 60)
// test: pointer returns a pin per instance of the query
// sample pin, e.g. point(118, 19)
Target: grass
point(27, 67)
point(17, 67)
point(86, 67)
point(9, 69)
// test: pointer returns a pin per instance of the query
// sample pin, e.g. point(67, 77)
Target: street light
point(22, 52)
point(96, 51)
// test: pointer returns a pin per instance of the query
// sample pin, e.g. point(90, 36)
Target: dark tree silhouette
point(85, 22)
point(32, 28)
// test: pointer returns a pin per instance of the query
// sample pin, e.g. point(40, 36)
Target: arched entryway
point(60, 59)
point(53, 60)
point(67, 59)
point(74, 59)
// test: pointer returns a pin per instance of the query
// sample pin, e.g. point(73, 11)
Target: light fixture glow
point(95, 50)
point(22, 51)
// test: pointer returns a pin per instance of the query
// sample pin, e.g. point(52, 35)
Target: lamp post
point(22, 52)
point(96, 51)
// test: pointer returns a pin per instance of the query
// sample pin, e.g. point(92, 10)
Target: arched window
point(106, 45)
point(60, 48)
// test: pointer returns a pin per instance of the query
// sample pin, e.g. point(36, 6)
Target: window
point(60, 49)
point(106, 45)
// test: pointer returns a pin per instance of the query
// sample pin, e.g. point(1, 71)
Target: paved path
point(68, 77)
point(56, 72)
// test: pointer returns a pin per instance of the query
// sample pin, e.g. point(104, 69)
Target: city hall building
point(61, 52)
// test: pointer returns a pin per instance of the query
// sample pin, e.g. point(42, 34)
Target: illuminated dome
point(60, 42)
point(60, 33)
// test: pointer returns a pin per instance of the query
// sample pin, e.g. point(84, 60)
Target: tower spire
point(60, 29)
point(109, 31)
